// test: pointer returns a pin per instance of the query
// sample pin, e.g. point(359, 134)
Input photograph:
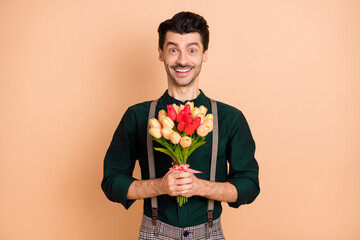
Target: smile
point(182, 70)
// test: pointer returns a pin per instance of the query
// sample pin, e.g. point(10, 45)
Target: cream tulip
point(166, 133)
point(154, 123)
point(203, 130)
point(209, 116)
point(167, 123)
point(175, 137)
point(185, 141)
point(203, 109)
point(161, 119)
point(191, 105)
point(162, 113)
point(210, 123)
point(177, 108)
point(155, 132)
point(195, 112)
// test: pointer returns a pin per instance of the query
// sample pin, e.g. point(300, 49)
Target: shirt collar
point(199, 100)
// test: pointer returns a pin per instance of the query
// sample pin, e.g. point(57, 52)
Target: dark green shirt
point(236, 146)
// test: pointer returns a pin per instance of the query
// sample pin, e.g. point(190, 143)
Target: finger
point(179, 174)
point(184, 175)
point(183, 181)
point(186, 193)
point(173, 176)
point(178, 191)
point(184, 187)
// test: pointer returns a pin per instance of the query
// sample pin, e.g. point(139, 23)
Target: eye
point(192, 51)
point(173, 50)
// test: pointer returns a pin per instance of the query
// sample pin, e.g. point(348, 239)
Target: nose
point(182, 59)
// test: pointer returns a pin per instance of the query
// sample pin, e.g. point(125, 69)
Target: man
point(183, 47)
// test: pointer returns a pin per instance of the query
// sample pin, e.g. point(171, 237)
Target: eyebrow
point(189, 45)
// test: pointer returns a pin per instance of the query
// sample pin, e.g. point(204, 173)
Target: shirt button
point(186, 233)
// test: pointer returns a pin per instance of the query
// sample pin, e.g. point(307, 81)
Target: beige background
point(69, 70)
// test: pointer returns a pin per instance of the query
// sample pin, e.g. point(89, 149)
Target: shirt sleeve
point(120, 161)
point(243, 167)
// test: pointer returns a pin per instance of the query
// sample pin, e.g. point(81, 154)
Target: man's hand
point(184, 184)
point(187, 185)
point(181, 183)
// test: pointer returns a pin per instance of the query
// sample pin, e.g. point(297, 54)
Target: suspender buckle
point(154, 216)
point(210, 218)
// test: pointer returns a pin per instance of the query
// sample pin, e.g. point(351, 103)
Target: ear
point(205, 56)
point(161, 54)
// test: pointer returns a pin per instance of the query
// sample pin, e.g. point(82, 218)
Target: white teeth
point(182, 70)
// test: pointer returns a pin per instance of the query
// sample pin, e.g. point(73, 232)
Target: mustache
point(181, 66)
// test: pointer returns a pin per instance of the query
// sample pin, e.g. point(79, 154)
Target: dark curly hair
point(185, 22)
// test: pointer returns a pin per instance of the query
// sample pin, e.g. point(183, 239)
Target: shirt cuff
point(247, 191)
point(120, 189)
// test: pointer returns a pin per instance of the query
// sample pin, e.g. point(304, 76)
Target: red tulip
point(189, 129)
point(197, 122)
point(181, 126)
point(188, 118)
point(171, 112)
point(187, 108)
point(184, 115)
point(184, 118)
point(180, 116)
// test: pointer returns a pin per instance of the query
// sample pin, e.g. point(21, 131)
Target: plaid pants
point(163, 231)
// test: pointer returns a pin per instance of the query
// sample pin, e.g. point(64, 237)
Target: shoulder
point(228, 111)
point(140, 108)
point(137, 113)
point(233, 122)
point(231, 118)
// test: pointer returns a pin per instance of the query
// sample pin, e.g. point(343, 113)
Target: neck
point(183, 93)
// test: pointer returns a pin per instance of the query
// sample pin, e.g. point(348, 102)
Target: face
point(183, 56)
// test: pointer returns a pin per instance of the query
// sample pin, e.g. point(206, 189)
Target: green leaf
point(178, 151)
point(195, 146)
point(164, 143)
point(168, 152)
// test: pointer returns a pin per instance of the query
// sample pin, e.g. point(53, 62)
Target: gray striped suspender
point(210, 207)
point(150, 151)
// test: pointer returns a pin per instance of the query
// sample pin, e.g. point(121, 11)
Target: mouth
point(182, 69)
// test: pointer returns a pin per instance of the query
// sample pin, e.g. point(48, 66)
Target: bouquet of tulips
point(180, 131)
